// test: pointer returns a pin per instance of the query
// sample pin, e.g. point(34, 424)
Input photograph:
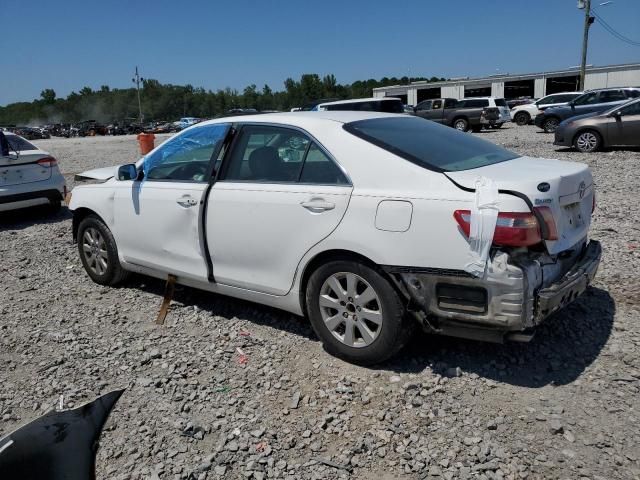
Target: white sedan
point(29, 176)
point(367, 223)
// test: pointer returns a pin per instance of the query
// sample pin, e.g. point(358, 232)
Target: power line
point(613, 31)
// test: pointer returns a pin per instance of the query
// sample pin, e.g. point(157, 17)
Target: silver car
point(616, 127)
point(28, 176)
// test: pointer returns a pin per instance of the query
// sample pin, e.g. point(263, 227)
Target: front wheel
point(356, 312)
point(587, 141)
point(550, 125)
point(98, 252)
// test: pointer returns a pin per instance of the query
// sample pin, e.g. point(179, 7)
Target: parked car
point(30, 133)
point(186, 122)
point(616, 127)
point(90, 128)
point(466, 114)
point(385, 104)
point(593, 101)
point(525, 113)
point(28, 176)
point(377, 211)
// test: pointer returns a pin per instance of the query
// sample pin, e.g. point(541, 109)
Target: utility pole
point(588, 20)
point(137, 79)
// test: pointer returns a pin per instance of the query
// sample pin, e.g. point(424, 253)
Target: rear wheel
point(98, 252)
point(587, 141)
point(550, 124)
point(356, 312)
point(461, 124)
point(522, 118)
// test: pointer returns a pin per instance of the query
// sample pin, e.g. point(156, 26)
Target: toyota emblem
point(581, 189)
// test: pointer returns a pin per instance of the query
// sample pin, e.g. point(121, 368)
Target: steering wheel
point(191, 171)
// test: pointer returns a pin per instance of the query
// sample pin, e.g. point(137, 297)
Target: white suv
point(524, 114)
point(368, 223)
point(28, 176)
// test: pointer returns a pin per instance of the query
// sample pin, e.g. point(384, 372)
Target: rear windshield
point(428, 144)
point(387, 106)
point(19, 144)
point(500, 102)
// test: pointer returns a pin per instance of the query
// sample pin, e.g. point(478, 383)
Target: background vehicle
point(186, 122)
point(28, 176)
point(388, 105)
point(616, 127)
point(90, 128)
point(525, 113)
point(589, 102)
point(466, 114)
point(377, 210)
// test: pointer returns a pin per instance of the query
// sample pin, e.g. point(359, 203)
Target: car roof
point(303, 119)
point(611, 88)
point(358, 100)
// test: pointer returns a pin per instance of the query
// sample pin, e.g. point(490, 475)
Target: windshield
point(429, 144)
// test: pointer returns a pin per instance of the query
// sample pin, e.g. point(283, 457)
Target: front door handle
point(186, 201)
point(317, 205)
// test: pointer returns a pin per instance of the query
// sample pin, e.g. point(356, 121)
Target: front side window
point(280, 155)
point(429, 144)
point(426, 105)
point(587, 99)
point(187, 156)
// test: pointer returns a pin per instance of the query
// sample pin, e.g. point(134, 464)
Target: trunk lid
point(23, 168)
point(569, 192)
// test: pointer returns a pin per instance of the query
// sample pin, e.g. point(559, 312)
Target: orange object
point(145, 140)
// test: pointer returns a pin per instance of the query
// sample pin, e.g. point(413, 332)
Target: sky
point(214, 44)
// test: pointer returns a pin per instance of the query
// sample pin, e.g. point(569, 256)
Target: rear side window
point(500, 102)
point(19, 144)
point(437, 104)
point(612, 96)
point(633, 93)
point(429, 144)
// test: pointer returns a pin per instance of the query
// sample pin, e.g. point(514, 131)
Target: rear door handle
point(186, 201)
point(318, 205)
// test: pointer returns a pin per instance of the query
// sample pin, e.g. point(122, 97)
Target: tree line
point(169, 102)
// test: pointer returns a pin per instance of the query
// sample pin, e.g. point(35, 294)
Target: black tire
point(461, 124)
point(496, 125)
point(394, 330)
point(112, 273)
point(587, 141)
point(55, 206)
point(476, 128)
point(550, 124)
point(522, 118)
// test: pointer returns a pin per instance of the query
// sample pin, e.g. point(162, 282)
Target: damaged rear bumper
point(518, 292)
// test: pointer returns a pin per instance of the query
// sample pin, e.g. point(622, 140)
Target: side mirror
point(616, 114)
point(4, 145)
point(127, 172)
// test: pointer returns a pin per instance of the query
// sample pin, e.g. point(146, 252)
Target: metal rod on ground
point(168, 295)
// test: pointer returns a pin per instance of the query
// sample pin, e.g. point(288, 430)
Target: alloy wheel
point(551, 125)
point(460, 125)
point(351, 309)
point(95, 251)
point(587, 142)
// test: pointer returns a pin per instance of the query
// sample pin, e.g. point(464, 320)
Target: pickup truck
point(466, 114)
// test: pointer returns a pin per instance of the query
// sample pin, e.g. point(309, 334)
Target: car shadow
point(224, 306)
point(27, 217)
point(563, 347)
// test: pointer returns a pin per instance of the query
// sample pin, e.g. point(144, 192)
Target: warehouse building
point(533, 85)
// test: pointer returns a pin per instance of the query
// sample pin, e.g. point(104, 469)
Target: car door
point(157, 219)
point(624, 129)
point(279, 194)
point(423, 109)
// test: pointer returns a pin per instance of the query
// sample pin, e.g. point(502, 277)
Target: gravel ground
point(564, 406)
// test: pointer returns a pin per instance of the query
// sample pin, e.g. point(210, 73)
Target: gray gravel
point(564, 406)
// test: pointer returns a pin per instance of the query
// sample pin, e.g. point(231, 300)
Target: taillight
point(513, 229)
point(47, 162)
point(550, 222)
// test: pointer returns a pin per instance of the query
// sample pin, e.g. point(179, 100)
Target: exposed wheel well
point(587, 129)
point(521, 113)
point(332, 255)
point(459, 117)
point(80, 214)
